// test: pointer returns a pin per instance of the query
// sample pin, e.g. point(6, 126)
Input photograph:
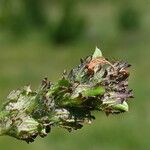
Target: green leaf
point(94, 92)
point(63, 82)
point(97, 53)
point(123, 107)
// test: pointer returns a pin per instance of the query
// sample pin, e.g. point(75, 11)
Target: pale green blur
point(34, 45)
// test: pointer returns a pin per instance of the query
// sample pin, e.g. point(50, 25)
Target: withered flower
point(95, 85)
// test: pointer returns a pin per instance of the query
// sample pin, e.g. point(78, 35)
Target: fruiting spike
point(69, 103)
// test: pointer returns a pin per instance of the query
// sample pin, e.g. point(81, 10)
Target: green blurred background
point(40, 38)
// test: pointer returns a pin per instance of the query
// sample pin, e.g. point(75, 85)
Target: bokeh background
point(41, 38)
